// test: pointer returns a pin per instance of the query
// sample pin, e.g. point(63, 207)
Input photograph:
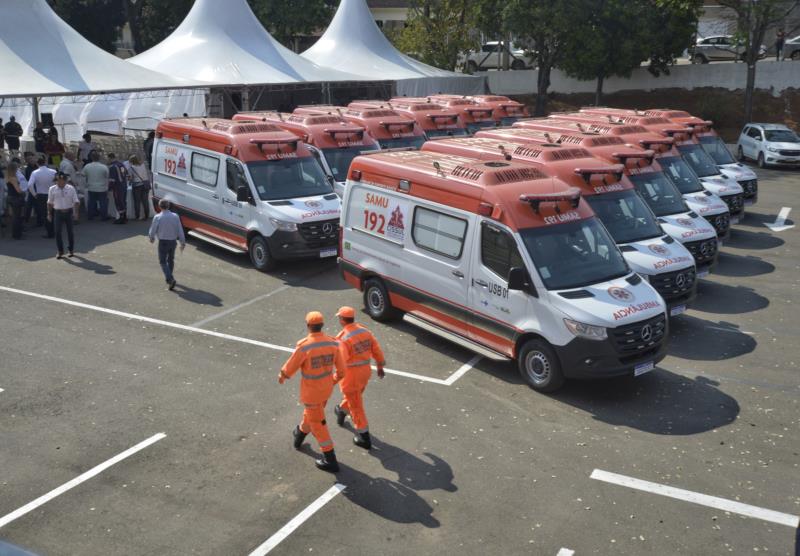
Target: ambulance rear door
point(498, 311)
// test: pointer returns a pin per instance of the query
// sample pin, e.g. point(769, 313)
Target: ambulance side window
point(235, 176)
point(439, 232)
point(499, 252)
point(205, 169)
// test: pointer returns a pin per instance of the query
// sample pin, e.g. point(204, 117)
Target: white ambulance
point(247, 187)
point(501, 259)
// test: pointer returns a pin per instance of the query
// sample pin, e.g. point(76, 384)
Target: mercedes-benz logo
point(680, 280)
point(327, 228)
point(647, 332)
point(706, 249)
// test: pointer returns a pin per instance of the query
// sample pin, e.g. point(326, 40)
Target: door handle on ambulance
point(458, 274)
point(215, 196)
point(481, 283)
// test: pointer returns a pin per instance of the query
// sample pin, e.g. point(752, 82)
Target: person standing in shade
point(118, 184)
point(96, 174)
point(54, 150)
point(85, 148)
point(39, 187)
point(140, 184)
point(148, 149)
point(63, 206)
point(16, 187)
point(13, 133)
point(39, 137)
point(167, 229)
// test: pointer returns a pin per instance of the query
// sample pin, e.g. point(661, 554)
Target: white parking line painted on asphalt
point(780, 222)
point(462, 370)
point(79, 479)
point(297, 521)
point(444, 382)
point(566, 552)
point(235, 308)
point(697, 498)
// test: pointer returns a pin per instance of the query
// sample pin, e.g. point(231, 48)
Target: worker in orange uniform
point(359, 347)
point(315, 357)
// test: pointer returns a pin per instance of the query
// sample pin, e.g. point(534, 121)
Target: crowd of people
point(26, 179)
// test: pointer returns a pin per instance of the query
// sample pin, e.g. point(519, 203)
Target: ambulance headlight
point(587, 331)
point(283, 226)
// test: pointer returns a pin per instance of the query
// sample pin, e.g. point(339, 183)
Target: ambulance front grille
point(638, 339)
point(320, 234)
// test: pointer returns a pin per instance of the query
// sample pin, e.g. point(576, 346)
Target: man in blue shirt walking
point(166, 227)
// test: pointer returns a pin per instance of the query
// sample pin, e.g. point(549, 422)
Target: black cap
point(62, 175)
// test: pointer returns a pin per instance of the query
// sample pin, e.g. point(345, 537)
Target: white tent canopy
point(221, 42)
point(354, 43)
point(43, 56)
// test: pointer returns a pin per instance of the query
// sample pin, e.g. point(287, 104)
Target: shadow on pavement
point(414, 472)
point(739, 266)
point(721, 299)
point(757, 220)
point(743, 239)
point(660, 402)
point(200, 297)
point(85, 264)
point(702, 340)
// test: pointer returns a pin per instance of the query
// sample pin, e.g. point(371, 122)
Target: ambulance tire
point(259, 253)
point(376, 301)
point(539, 366)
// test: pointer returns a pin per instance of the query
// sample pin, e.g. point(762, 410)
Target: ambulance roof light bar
point(648, 155)
point(572, 195)
point(260, 142)
point(586, 173)
point(345, 130)
point(647, 143)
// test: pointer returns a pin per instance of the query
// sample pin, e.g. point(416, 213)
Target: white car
point(769, 144)
point(490, 56)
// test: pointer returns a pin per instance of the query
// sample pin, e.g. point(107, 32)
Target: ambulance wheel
point(761, 163)
point(539, 366)
point(260, 255)
point(376, 301)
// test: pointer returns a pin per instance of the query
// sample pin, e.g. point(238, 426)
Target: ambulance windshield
point(702, 164)
point(339, 159)
point(288, 178)
point(661, 195)
point(574, 254)
point(626, 216)
point(716, 149)
point(453, 132)
point(681, 174)
point(413, 141)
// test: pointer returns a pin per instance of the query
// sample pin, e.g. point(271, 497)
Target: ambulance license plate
point(702, 273)
point(642, 368)
point(677, 310)
point(330, 252)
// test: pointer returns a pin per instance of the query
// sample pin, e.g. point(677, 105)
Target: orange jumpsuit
point(359, 346)
point(315, 357)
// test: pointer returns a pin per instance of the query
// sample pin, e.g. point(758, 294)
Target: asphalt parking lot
point(174, 395)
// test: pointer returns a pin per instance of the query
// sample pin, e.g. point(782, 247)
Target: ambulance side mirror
point(243, 194)
point(518, 280)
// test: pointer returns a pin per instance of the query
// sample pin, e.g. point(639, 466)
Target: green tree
point(671, 26)
point(151, 21)
point(753, 18)
point(99, 21)
point(607, 38)
point(437, 31)
point(286, 20)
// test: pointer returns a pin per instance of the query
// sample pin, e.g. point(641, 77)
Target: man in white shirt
point(85, 149)
point(62, 210)
point(96, 174)
point(38, 186)
point(167, 228)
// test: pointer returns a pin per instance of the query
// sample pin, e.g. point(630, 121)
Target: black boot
point(328, 462)
point(362, 440)
point(299, 437)
point(341, 415)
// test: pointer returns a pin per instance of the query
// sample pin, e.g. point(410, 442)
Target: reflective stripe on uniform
point(358, 363)
point(355, 333)
point(319, 345)
point(315, 377)
point(362, 431)
point(326, 444)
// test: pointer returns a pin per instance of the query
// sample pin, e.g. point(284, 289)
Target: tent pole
point(35, 104)
point(245, 99)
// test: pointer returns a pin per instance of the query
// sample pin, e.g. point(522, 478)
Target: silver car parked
point(719, 48)
point(769, 144)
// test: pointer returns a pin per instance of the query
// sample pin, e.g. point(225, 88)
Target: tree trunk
point(748, 91)
point(598, 93)
point(133, 15)
point(542, 85)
